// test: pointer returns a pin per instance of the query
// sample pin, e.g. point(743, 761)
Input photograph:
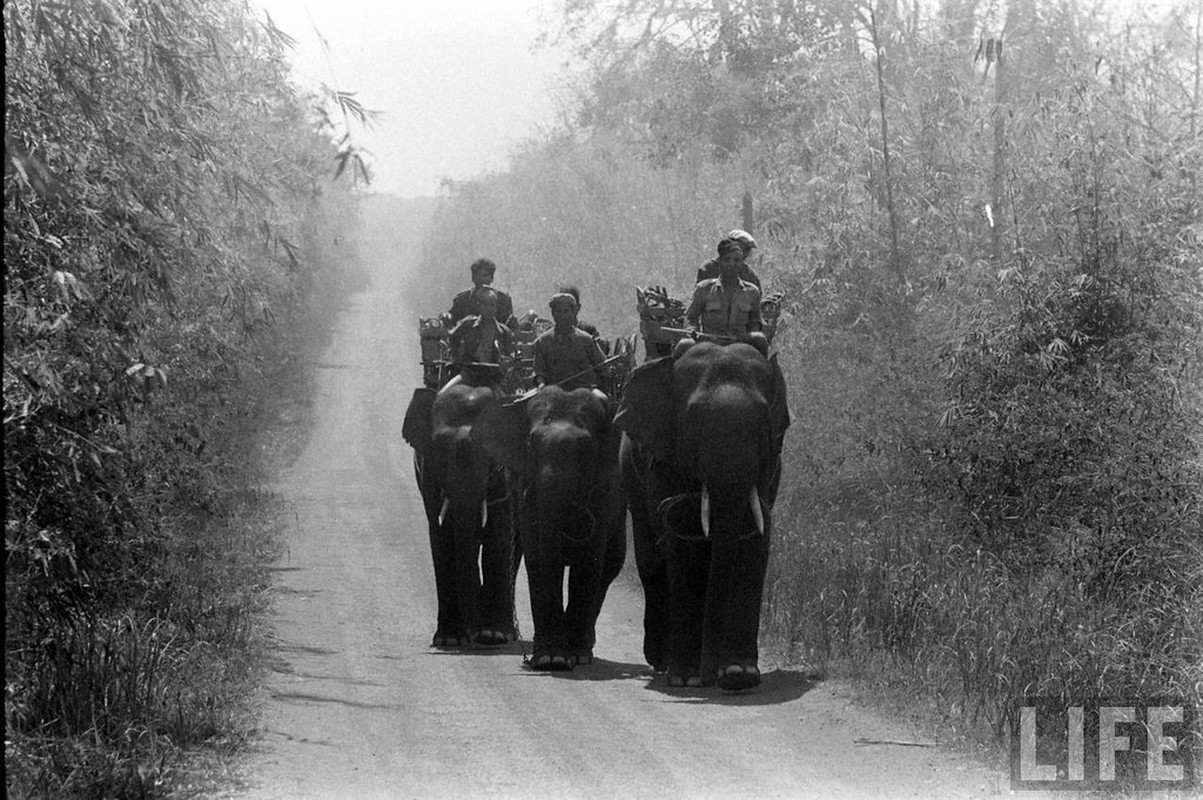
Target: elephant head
point(561, 443)
point(464, 496)
point(717, 415)
point(706, 427)
point(563, 449)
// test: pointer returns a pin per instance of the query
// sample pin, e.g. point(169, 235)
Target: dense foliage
point(987, 220)
point(168, 214)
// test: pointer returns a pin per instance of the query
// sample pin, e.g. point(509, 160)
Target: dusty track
point(359, 706)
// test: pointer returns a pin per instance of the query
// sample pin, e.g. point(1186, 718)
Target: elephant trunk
point(564, 480)
point(558, 501)
point(723, 432)
point(735, 579)
point(754, 505)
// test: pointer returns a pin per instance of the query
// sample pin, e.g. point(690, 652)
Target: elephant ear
point(502, 430)
point(646, 411)
point(416, 429)
point(611, 439)
point(778, 405)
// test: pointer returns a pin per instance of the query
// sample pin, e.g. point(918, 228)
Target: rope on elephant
point(528, 499)
point(591, 527)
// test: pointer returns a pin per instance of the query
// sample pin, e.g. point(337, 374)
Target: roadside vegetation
point(169, 219)
point(987, 220)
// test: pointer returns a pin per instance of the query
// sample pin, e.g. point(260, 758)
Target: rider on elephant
point(466, 303)
point(566, 355)
point(746, 245)
point(480, 339)
point(587, 327)
point(727, 308)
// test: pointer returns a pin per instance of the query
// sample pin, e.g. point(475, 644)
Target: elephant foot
point(655, 657)
point(580, 650)
point(493, 637)
point(735, 677)
point(552, 663)
point(444, 639)
point(678, 681)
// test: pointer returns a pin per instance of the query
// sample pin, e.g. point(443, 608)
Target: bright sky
point(456, 80)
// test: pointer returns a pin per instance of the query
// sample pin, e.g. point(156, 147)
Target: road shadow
point(309, 698)
point(519, 648)
point(281, 660)
point(600, 670)
point(333, 678)
point(777, 686)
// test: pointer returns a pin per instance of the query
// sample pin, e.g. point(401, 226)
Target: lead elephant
point(701, 462)
point(563, 450)
point(472, 538)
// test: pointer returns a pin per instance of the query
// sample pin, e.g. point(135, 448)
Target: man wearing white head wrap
point(566, 355)
point(746, 244)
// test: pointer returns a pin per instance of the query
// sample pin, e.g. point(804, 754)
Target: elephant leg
point(616, 553)
point(517, 520)
point(688, 576)
point(467, 575)
point(545, 578)
point(450, 626)
point(550, 642)
point(583, 631)
point(584, 604)
point(653, 575)
point(515, 565)
point(736, 651)
point(497, 588)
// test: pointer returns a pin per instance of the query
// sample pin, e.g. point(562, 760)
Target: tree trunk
point(895, 249)
point(998, 181)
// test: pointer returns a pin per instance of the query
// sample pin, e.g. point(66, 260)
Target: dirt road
point(361, 707)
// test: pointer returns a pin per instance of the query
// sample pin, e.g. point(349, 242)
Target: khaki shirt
point(560, 355)
point(723, 313)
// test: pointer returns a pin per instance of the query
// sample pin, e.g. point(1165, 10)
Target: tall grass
point(130, 670)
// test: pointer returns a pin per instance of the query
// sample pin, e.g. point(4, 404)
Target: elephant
point(562, 448)
point(472, 538)
point(700, 463)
